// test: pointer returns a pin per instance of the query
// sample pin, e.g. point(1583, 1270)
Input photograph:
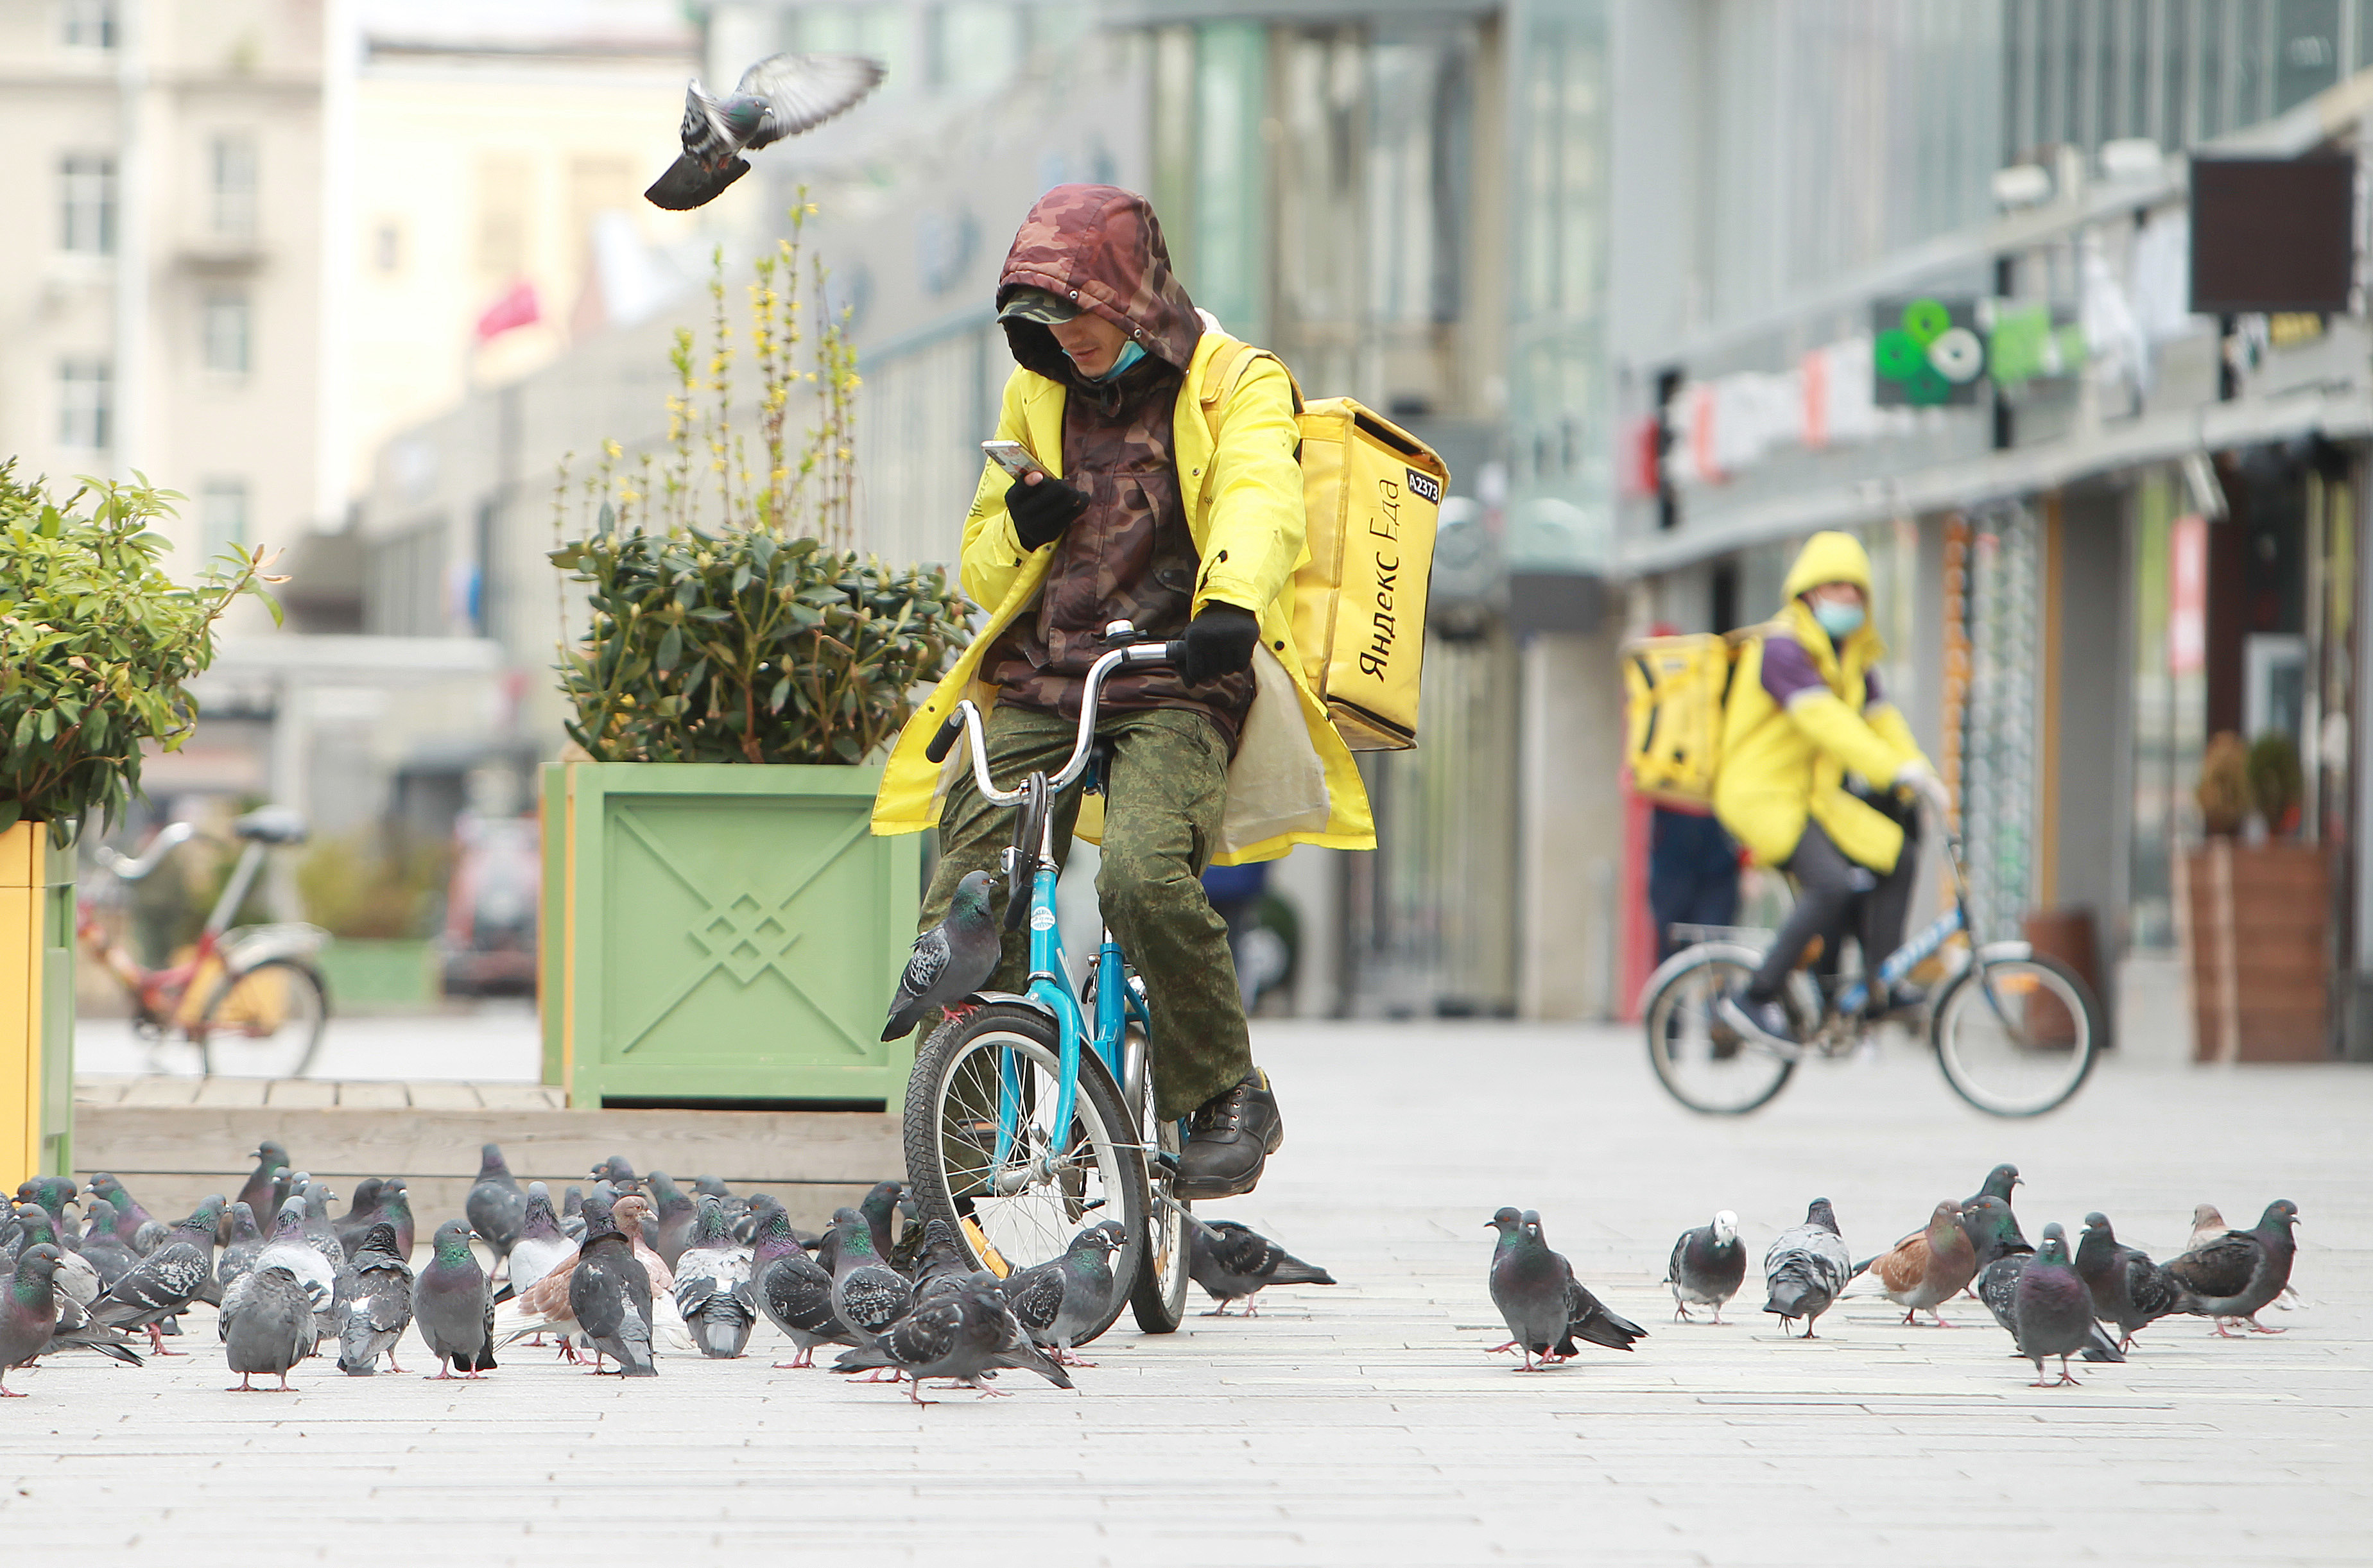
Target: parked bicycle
point(2015, 1032)
point(1031, 1116)
point(249, 999)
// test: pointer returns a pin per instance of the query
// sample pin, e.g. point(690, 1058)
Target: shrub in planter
point(2275, 781)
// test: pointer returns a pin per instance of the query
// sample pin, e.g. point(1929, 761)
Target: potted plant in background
point(719, 924)
point(97, 644)
point(2254, 910)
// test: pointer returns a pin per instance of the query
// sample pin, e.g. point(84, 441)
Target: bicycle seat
point(272, 824)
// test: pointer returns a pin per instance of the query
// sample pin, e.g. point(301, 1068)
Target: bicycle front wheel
point(266, 1022)
point(1701, 1061)
point(2016, 1037)
point(1021, 1205)
point(1159, 1300)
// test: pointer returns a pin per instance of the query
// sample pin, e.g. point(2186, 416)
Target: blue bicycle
point(1030, 1115)
point(2015, 1032)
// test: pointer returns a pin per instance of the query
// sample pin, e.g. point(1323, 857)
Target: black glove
point(1220, 641)
point(1041, 511)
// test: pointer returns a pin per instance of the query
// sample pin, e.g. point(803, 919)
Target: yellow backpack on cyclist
point(1674, 692)
point(1373, 493)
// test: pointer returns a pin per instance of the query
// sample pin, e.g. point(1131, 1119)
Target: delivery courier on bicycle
point(1186, 520)
point(1812, 755)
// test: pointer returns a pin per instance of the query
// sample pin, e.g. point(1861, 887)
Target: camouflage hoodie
point(1130, 554)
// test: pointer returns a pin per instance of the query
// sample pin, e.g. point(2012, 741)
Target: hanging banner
point(2187, 596)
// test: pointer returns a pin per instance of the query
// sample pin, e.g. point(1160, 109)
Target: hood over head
point(1829, 556)
point(1101, 248)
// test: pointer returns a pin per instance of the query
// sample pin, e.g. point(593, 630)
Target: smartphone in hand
point(1014, 458)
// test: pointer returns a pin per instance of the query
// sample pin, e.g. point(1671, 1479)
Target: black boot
point(1228, 1139)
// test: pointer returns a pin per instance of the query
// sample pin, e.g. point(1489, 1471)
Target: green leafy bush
point(2274, 780)
point(97, 643)
point(730, 622)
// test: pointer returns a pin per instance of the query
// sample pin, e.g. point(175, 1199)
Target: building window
point(222, 515)
point(87, 24)
point(227, 330)
point(86, 405)
point(87, 203)
point(232, 176)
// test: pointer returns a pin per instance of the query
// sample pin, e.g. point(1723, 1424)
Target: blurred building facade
point(2137, 530)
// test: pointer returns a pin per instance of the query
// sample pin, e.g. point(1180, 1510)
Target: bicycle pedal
point(1167, 1161)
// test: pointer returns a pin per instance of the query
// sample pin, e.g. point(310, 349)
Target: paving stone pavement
point(1364, 1424)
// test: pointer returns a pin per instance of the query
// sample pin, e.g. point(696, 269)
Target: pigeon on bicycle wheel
point(951, 961)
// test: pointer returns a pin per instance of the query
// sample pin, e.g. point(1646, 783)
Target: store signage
point(2187, 596)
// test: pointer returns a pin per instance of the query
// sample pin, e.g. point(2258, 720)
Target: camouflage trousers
point(1162, 803)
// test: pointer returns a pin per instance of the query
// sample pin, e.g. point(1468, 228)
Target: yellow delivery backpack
point(1374, 495)
point(1674, 692)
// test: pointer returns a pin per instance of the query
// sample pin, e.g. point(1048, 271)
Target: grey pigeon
point(2051, 1312)
point(258, 1193)
point(1235, 1262)
point(672, 1213)
point(319, 1230)
point(713, 1289)
point(1806, 1267)
point(271, 1330)
point(129, 1215)
point(292, 1250)
point(2128, 1289)
point(780, 95)
point(540, 1246)
point(373, 1303)
point(938, 1258)
point(30, 1323)
point(2002, 1256)
point(152, 1234)
point(951, 961)
point(1708, 1264)
point(966, 1334)
point(395, 1207)
point(166, 1280)
point(572, 1213)
point(610, 1295)
point(361, 1214)
point(102, 1248)
point(879, 1206)
point(77, 1280)
point(867, 1293)
point(2240, 1274)
point(452, 1307)
point(239, 1257)
point(1545, 1307)
point(497, 1204)
point(1062, 1301)
point(616, 1172)
point(794, 1291)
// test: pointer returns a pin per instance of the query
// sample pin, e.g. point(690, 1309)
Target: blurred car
point(490, 909)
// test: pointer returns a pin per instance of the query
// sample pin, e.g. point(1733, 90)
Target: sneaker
point(1228, 1139)
point(1765, 1022)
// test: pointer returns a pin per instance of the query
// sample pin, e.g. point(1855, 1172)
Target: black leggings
point(1828, 887)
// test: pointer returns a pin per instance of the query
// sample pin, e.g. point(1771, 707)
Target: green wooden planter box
point(715, 931)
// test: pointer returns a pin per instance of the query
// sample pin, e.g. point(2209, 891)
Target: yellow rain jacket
point(1781, 764)
point(1293, 780)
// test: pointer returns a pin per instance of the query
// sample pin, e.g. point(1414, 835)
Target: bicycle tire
point(2070, 987)
point(1159, 1300)
point(1660, 1011)
point(958, 1048)
point(304, 980)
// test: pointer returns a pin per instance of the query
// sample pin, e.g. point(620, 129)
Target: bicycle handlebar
point(965, 720)
point(127, 869)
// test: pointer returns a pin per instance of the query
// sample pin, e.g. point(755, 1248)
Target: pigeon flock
point(620, 1275)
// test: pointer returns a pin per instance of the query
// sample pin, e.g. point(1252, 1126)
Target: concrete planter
point(720, 933)
point(37, 1005)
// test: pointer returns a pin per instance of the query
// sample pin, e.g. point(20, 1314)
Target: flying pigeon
point(1708, 1264)
point(452, 1306)
point(31, 1322)
point(372, 1305)
point(867, 1293)
point(713, 1290)
point(258, 1193)
point(2128, 1289)
point(496, 1205)
point(1928, 1267)
point(292, 1250)
point(270, 1331)
point(166, 1280)
point(2237, 1275)
point(672, 1214)
point(780, 95)
point(1233, 1263)
point(951, 961)
point(1545, 1307)
point(794, 1291)
point(2051, 1312)
point(1806, 1267)
point(610, 1296)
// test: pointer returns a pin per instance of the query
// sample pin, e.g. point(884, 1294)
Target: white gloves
point(1921, 778)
